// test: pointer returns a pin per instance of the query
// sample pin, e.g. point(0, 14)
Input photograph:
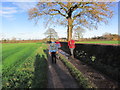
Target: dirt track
point(59, 76)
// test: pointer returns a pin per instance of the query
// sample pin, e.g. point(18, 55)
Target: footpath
point(60, 77)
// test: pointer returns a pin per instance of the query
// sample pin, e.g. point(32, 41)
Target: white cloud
point(24, 6)
point(18, 7)
point(8, 12)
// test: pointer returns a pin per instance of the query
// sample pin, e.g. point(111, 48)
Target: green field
point(101, 42)
point(24, 65)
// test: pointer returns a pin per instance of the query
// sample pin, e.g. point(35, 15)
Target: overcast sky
point(15, 23)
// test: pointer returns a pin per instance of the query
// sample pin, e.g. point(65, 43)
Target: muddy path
point(59, 76)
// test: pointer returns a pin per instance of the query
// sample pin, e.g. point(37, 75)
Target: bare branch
point(49, 12)
point(63, 6)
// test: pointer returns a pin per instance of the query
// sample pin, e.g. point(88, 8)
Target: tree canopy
point(73, 14)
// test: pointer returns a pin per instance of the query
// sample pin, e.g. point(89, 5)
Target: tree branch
point(62, 6)
point(49, 12)
point(78, 15)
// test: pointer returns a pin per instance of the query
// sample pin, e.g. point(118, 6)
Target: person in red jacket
point(71, 45)
point(59, 46)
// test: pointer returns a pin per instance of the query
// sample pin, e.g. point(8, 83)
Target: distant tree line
point(19, 41)
point(106, 36)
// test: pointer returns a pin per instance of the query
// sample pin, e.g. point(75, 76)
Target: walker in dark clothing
point(53, 54)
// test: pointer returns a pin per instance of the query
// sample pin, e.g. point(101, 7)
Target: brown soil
point(59, 76)
point(97, 78)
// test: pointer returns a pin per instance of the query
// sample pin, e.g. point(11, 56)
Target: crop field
point(101, 42)
point(24, 65)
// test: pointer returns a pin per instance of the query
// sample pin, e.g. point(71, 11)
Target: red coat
point(71, 44)
point(58, 43)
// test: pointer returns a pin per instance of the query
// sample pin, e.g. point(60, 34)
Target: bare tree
point(14, 39)
point(78, 33)
point(51, 33)
point(106, 34)
point(73, 14)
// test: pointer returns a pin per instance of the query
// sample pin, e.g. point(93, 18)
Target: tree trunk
point(69, 31)
point(50, 37)
point(78, 36)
